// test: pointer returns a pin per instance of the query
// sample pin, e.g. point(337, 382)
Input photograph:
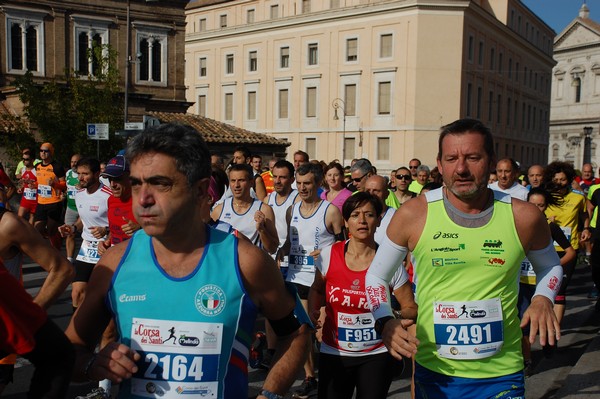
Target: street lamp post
point(339, 103)
point(127, 63)
point(587, 144)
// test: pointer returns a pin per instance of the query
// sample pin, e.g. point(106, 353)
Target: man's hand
point(129, 227)
point(66, 230)
point(585, 235)
point(98, 231)
point(115, 362)
point(103, 246)
point(399, 342)
point(540, 315)
point(259, 218)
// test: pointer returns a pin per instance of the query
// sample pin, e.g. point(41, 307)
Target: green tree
point(61, 108)
point(15, 135)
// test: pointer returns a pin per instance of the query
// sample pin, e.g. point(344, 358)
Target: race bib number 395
point(179, 359)
point(468, 330)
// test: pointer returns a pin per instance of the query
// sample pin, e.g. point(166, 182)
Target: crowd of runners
point(458, 268)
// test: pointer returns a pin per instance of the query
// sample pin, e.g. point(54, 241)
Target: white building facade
point(576, 91)
point(372, 79)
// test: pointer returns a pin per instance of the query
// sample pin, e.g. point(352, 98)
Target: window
point(275, 11)
point(479, 95)
point(510, 68)
point(349, 148)
point(311, 147)
point(517, 72)
point(202, 24)
point(352, 50)
point(383, 148)
point(492, 59)
point(25, 45)
point(311, 102)
point(490, 104)
point(250, 16)
point(469, 98)
point(228, 106)
point(223, 21)
point(383, 98)
point(152, 66)
point(313, 54)
point(498, 108)
point(283, 104)
point(385, 45)
point(251, 114)
point(350, 99)
point(508, 101)
point(284, 57)
point(480, 53)
point(305, 6)
point(203, 66)
point(471, 48)
point(89, 50)
point(577, 86)
point(202, 105)
point(500, 61)
point(252, 61)
point(229, 64)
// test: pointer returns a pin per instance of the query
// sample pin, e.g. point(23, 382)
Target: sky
point(559, 13)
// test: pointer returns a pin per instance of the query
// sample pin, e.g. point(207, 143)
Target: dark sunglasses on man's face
point(403, 177)
point(358, 179)
point(42, 150)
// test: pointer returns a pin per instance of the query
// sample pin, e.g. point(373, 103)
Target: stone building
point(576, 92)
point(343, 79)
point(50, 37)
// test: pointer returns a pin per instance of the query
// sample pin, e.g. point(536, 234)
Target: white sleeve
point(548, 270)
point(386, 263)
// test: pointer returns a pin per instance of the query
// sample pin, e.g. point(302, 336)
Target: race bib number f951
point(468, 330)
point(178, 359)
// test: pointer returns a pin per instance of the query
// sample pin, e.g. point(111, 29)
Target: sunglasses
point(43, 150)
point(358, 179)
point(413, 167)
point(403, 177)
point(26, 159)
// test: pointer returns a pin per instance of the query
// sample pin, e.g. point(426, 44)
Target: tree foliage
point(61, 108)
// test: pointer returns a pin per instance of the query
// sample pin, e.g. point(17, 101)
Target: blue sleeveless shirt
point(193, 332)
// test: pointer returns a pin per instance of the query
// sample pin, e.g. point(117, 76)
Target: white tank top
point(385, 222)
point(92, 209)
point(306, 235)
point(242, 222)
point(280, 212)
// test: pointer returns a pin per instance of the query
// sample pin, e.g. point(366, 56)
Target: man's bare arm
point(265, 224)
point(17, 232)
point(266, 287)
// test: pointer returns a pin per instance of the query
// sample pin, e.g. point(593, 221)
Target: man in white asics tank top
point(312, 224)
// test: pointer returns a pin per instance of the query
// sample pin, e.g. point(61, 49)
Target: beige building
point(392, 71)
point(576, 91)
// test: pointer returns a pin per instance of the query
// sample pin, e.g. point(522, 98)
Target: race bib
point(71, 192)
point(468, 330)
point(302, 262)
point(179, 359)
point(356, 332)
point(527, 274)
point(88, 252)
point(44, 191)
point(30, 194)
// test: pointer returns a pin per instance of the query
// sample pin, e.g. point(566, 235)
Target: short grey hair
point(423, 168)
point(363, 165)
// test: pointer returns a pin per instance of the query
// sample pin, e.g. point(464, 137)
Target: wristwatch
point(380, 323)
point(270, 395)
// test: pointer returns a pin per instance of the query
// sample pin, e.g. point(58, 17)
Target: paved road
point(581, 324)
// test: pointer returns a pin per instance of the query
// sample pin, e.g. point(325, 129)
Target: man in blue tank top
point(184, 296)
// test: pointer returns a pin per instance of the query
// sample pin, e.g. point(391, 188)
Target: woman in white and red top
point(352, 355)
point(28, 189)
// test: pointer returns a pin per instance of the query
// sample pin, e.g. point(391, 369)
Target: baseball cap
point(116, 167)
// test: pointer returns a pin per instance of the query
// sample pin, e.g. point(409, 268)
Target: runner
point(92, 206)
point(24, 326)
point(352, 356)
point(468, 242)
point(178, 272)
point(28, 189)
point(71, 215)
